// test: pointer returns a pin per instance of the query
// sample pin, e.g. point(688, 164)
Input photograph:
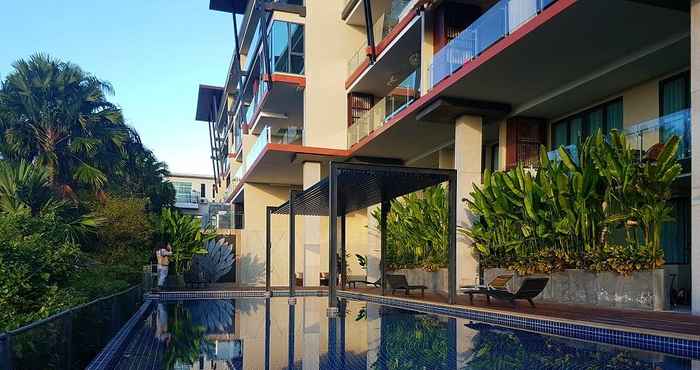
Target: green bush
point(417, 227)
point(36, 260)
point(600, 210)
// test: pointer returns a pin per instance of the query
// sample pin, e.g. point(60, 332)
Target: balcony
point(189, 200)
point(644, 135)
point(391, 19)
point(400, 97)
point(500, 20)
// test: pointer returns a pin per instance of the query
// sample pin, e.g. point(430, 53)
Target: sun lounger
point(399, 282)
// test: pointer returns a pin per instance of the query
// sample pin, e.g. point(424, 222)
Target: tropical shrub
point(600, 209)
point(186, 236)
point(417, 227)
point(36, 259)
point(126, 226)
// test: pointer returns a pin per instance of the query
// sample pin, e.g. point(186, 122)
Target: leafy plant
point(217, 262)
point(417, 230)
point(186, 236)
point(571, 212)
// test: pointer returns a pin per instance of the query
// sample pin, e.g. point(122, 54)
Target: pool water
point(236, 334)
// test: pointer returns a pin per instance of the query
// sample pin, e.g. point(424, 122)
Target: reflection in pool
point(253, 333)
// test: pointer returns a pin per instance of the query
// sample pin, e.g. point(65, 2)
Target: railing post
point(5, 352)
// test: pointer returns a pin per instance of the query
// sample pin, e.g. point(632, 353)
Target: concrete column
point(467, 162)
point(312, 231)
point(373, 245)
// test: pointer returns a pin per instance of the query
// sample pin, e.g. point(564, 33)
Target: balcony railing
point(381, 28)
point(644, 135)
point(400, 98)
point(496, 23)
point(257, 148)
point(187, 200)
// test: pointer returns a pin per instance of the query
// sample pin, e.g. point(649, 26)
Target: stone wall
point(645, 290)
point(434, 280)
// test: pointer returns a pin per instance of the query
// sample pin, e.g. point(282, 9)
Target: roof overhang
point(206, 95)
point(229, 6)
point(361, 185)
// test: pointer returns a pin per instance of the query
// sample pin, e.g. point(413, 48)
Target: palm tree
point(54, 114)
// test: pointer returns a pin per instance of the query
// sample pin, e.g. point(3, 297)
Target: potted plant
point(187, 238)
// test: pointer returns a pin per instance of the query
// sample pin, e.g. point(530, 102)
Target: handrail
point(63, 313)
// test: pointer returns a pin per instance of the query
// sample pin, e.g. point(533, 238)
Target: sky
point(154, 52)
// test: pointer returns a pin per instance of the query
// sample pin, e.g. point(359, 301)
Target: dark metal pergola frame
point(353, 186)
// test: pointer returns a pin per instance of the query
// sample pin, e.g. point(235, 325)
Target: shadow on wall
point(252, 271)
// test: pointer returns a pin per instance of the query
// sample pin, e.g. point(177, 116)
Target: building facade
point(193, 193)
point(467, 85)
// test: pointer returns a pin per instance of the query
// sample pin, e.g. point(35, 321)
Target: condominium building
point(461, 84)
point(192, 192)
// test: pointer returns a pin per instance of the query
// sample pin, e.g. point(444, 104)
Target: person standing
point(162, 255)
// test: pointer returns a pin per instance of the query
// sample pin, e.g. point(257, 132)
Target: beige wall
point(327, 50)
point(251, 260)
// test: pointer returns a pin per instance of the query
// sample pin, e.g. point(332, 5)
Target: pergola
point(354, 186)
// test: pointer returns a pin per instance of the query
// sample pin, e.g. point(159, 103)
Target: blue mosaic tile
point(665, 344)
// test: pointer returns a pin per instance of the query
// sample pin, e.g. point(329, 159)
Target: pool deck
point(668, 323)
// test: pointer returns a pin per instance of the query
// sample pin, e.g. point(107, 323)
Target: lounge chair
point(354, 280)
point(498, 283)
point(399, 282)
point(531, 288)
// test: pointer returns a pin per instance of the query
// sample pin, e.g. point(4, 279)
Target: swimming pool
point(258, 333)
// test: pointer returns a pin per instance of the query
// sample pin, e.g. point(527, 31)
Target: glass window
point(183, 191)
point(560, 134)
point(575, 130)
point(614, 116)
point(595, 121)
point(287, 47)
point(578, 127)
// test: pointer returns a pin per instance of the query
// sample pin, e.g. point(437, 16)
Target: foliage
point(31, 272)
point(55, 115)
point(64, 148)
point(185, 235)
point(188, 340)
point(584, 211)
point(217, 262)
point(413, 342)
point(417, 227)
point(126, 226)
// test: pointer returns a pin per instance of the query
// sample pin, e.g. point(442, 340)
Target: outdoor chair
point(530, 288)
point(498, 283)
point(399, 282)
point(353, 280)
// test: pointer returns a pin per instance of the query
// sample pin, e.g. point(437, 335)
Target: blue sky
point(154, 52)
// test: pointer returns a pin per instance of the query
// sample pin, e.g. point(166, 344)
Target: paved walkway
point(673, 322)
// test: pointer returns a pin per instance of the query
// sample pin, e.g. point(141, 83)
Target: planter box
point(645, 290)
point(434, 280)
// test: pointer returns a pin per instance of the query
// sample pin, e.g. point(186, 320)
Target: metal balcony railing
point(496, 23)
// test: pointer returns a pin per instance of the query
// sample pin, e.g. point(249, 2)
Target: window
point(358, 104)
point(183, 192)
point(575, 129)
point(203, 190)
point(674, 96)
point(287, 47)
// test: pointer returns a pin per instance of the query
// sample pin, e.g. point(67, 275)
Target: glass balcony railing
point(289, 135)
point(257, 148)
point(496, 23)
point(399, 98)
point(644, 135)
point(381, 28)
